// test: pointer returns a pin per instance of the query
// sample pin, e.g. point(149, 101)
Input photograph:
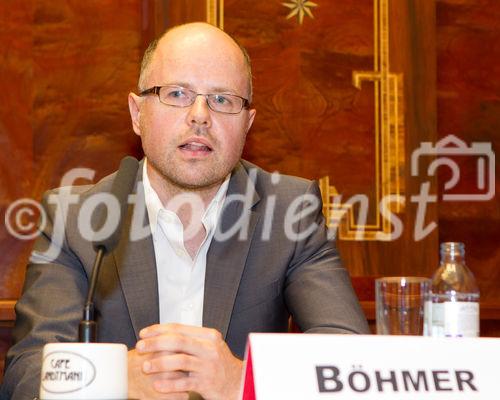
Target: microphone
point(122, 186)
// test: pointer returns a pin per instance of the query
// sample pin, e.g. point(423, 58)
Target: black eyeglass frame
point(156, 90)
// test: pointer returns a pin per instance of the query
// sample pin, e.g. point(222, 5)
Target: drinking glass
point(400, 305)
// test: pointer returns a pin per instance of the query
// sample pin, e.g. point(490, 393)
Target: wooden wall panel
point(306, 70)
point(468, 44)
point(16, 77)
point(311, 121)
point(86, 59)
point(158, 15)
point(68, 71)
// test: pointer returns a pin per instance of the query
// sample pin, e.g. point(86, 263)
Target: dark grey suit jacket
point(252, 284)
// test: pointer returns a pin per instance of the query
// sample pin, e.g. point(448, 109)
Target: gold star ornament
point(300, 8)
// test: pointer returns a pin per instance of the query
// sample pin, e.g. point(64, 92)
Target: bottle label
point(452, 319)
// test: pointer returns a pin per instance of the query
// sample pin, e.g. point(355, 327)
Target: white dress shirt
point(181, 279)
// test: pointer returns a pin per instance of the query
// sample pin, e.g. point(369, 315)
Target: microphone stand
point(87, 329)
point(121, 187)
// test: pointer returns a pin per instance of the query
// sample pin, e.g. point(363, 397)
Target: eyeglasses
point(177, 96)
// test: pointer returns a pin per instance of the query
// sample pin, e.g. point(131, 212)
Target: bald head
point(198, 38)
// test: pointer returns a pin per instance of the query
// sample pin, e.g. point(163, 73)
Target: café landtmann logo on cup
point(66, 372)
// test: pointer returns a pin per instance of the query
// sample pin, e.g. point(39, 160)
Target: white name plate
point(328, 367)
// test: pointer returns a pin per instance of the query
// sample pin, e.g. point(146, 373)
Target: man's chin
point(198, 183)
point(194, 176)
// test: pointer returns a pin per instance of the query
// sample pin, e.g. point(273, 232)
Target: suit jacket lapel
point(136, 264)
point(226, 258)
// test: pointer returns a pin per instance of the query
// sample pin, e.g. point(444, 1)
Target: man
point(185, 297)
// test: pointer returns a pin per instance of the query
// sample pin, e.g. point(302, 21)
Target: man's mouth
point(195, 147)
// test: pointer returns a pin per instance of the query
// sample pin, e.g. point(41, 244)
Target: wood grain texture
point(159, 15)
point(69, 69)
point(468, 43)
point(311, 121)
point(16, 79)
point(305, 70)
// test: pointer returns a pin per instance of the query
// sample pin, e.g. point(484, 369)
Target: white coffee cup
point(88, 371)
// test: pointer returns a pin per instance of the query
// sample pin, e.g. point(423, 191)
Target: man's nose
point(199, 112)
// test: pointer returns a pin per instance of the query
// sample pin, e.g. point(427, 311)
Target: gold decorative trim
point(215, 13)
point(299, 9)
point(389, 141)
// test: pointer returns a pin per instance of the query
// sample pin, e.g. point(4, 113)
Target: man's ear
point(134, 103)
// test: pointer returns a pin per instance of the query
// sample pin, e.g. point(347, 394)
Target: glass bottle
point(452, 307)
